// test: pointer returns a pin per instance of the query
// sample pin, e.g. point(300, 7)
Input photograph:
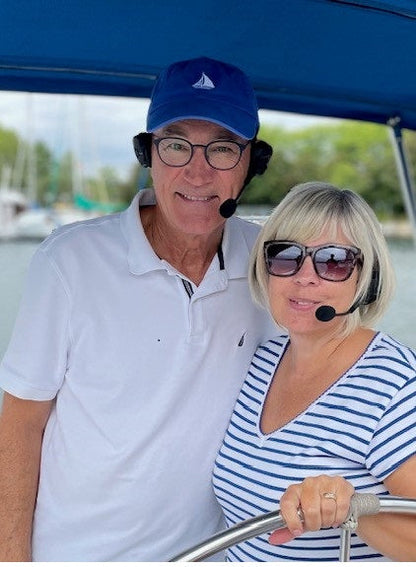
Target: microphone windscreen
point(228, 208)
point(325, 313)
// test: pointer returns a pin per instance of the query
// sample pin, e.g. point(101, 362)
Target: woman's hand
point(321, 501)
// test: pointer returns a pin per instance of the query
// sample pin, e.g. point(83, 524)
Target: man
point(133, 338)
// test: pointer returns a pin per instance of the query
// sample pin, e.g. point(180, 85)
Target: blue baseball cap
point(204, 89)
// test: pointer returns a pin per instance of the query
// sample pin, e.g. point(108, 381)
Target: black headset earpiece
point(142, 144)
point(261, 152)
point(260, 155)
point(373, 291)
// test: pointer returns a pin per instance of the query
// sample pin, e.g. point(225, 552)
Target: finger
point(343, 491)
point(328, 509)
point(343, 505)
point(283, 535)
point(290, 510)
point(310, 502)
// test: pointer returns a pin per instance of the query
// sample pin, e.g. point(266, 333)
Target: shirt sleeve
point(34, 365)
point(394, 440)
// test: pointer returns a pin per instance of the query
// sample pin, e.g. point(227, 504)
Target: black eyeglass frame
point(241, 147)
point(312, 251)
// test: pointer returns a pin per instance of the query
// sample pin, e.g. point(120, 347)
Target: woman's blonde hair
point(303, 214)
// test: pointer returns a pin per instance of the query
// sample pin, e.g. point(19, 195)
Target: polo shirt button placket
point(196, 320)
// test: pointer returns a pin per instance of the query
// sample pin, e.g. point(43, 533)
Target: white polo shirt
point(145, 377)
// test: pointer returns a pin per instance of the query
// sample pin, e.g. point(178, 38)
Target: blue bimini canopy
point(347, 59)
point(351, 59)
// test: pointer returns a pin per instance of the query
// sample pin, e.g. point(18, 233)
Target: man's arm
point(22, 423)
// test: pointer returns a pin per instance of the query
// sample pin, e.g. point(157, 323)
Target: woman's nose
point(307, 272)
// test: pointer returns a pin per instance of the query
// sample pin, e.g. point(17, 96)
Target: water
point(398, 321)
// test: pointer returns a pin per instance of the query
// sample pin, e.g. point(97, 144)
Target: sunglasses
point(331, 262)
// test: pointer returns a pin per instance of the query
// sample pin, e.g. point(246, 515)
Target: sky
point(98, 129)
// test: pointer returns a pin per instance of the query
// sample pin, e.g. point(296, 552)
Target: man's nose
point(198, 167)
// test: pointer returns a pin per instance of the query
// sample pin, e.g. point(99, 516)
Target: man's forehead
point(195, 126)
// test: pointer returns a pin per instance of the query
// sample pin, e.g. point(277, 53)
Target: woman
point(328, 408)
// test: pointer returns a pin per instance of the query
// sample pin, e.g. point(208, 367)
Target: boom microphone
point(228, 208)
point(326, 313)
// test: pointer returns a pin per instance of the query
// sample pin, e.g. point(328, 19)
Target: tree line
point(349, 154)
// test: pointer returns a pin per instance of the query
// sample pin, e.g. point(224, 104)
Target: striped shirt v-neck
point(362, 428)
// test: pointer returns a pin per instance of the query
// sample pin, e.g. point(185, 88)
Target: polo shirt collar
point(141, 257)
point(236, 249)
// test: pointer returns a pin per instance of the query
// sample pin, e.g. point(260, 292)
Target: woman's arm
point(394, 535)
point(325, 500)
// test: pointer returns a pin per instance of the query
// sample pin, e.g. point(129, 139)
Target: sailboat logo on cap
point(204, 83)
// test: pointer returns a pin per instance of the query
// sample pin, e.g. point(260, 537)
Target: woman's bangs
point(303, 226)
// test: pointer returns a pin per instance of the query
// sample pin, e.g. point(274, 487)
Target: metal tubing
point(240, 532)
point(403, 169)
point(397, 505)
point(345, 545)
point(272, 521)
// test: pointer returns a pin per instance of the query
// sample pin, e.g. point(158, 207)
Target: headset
point(373, 291)
point(261, 152)
point(326, 313)
point(142, 144)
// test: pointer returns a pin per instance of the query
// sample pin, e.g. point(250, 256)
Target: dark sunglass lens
point(283, 259)
point(334, 264)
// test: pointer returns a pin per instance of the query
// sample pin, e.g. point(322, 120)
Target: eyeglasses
point(331, 262)
point(220, 154)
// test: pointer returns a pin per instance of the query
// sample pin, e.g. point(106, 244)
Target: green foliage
point(9, 143)
point(105, 193)
point(348, 154)
point(44, 172)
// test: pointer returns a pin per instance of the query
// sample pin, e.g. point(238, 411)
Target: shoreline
point(397, 229)
point(400, 229)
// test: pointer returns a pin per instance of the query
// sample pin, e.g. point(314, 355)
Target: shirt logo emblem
point(204, 83)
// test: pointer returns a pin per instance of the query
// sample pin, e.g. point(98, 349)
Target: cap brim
point(228, 116)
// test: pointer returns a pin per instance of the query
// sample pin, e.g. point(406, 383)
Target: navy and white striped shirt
point(363, 428)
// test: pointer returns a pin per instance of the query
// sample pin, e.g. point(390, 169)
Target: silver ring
point(329, 496)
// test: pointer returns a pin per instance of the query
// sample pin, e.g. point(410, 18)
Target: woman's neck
point(308, 354)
